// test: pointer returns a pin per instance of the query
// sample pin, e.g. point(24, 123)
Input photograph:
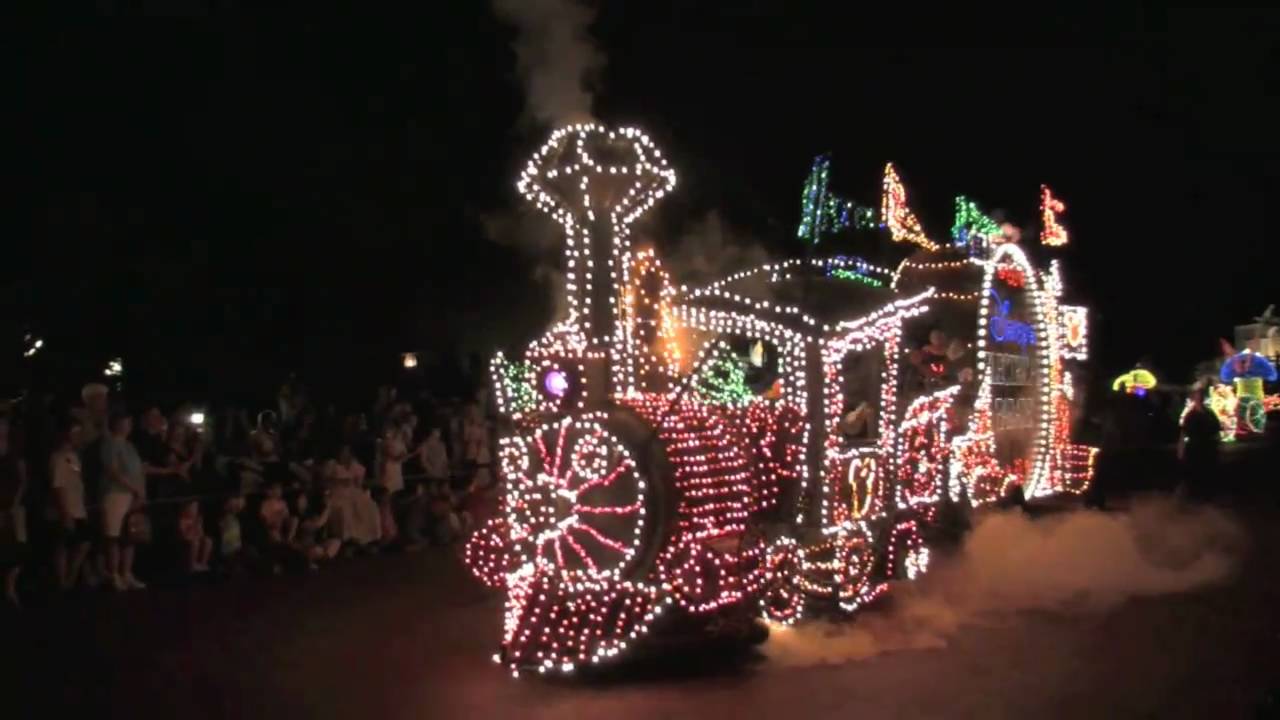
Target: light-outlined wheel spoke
point(576, 503)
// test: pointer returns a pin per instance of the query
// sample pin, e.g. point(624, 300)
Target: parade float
point(1239, 397)
point(702, 458)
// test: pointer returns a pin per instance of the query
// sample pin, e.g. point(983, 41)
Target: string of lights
point(894, 213)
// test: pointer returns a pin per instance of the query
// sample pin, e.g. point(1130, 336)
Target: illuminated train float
point(683, 456)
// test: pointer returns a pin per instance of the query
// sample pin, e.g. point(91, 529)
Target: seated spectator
point(124, 490)
point(279, 524)
point(191, 531)
point(353, 515)
point(276, 518)
point(72, 528)
point(477, 506)
point(447, 524)
point(230, 544)
point(312, 538)
point(13, 532)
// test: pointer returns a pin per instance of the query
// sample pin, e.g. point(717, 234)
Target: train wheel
point(781, 599)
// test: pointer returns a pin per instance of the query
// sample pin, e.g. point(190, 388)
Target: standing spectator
point(264, 441)
point(287, 400)
point(124, 490)
point(382, 404)
point(231, 432)
point(67, 484)
point(401, 509)
point(265, 445)
point(184, 454)
point(1198, 447)
point(13, 530)
point(386, 517)
point(475, 443)
point(393, 454)
point(435, 459)
point(191, 531)
point(94, 418)
point(94, 414)
point(162, 474)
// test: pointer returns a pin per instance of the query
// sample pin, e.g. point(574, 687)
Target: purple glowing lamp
point(556, 383)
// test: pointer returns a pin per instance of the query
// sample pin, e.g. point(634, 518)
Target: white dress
point(353, 515)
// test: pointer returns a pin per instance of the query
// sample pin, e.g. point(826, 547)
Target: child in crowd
point(230, 547)
point(312, 538)
point(191, 530)
point(279, 524)
point(390, 532)
point(445, 521)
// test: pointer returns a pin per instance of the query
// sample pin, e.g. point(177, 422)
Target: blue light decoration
point(1005, 329)
point(1247, 364)
point(973, 230)
point(852, 268)
point(822, 213)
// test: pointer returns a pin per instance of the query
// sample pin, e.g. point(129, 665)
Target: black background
point(218, 195)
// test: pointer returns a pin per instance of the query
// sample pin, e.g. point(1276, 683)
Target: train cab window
point(860, 375)
point(762, 364)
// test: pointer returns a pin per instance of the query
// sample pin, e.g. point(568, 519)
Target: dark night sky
point(217, 195)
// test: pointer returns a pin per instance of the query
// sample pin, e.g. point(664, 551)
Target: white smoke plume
point(1078, 562)
point(535, 234)
point(557, 60)
point(558, 63)
point(711, 250)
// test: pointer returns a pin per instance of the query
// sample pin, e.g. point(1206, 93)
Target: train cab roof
point(813, 297)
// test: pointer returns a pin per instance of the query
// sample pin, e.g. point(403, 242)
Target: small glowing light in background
point(33, 346)
point(115, 368)
point(197, 418)
point(556, 383)
point(410, 360)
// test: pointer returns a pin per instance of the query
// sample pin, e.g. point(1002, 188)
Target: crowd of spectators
point(86, 490)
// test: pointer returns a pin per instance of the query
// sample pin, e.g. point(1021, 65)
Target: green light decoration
point(723, 380)
point(972, 229)
point(822, 213)
point(856, 277)
point(518, 380)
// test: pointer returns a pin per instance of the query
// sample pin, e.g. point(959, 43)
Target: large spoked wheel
point(576, 500)
point(1253, 414)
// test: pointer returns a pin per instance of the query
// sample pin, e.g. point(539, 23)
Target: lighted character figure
point(647, 476)
point(1247, 371)
point(1138, 381)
